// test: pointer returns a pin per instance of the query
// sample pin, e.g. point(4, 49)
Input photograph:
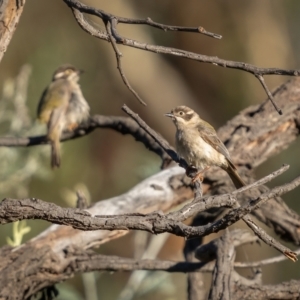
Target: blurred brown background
point(264, 33)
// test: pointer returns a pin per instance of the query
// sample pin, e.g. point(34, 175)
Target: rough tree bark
point(10, 12)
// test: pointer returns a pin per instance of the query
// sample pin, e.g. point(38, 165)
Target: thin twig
point(86, 26)
point(107, 16)
point(241, 213)
point(263, 180)
point(164, 27)
point(160, 140)
point(81, 200)
point(270, 240)
point(177, 52)
point(256, 71)
point(200, 204)
point(263, 262)
point(270, 96)
point(110, 27)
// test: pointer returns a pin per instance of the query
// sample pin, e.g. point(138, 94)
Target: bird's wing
point(56, 123)
point(209, 135)
point(55, 96)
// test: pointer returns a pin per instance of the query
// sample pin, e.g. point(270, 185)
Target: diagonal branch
point(110, 27)
point(270, 96)
point(264, 262)
point(159, 139)
point(198, 205)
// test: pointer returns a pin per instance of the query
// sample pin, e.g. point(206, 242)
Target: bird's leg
point(199, 175)
point(71, 127)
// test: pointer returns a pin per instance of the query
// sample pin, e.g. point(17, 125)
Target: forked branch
point(79, 8)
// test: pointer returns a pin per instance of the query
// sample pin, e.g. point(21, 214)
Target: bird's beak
point(170, 115)
point(80, 72)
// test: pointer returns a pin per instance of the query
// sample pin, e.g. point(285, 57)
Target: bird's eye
point(180, 113)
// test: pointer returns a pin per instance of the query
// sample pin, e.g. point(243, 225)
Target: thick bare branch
point(10, 13)
point(221, 287)
point(91, 261)
point(284, 290)
point(12, 210)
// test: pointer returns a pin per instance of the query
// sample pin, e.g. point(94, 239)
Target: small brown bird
point(62, 107)
point(197, 142)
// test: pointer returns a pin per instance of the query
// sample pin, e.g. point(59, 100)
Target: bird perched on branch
point(62, 107)
point(197, 142)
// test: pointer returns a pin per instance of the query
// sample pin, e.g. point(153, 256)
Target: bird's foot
point(199, 176)
point(72, 126)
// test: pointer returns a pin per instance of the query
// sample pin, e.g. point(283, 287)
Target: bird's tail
point(55, 128)
point(55, 153)
point(235, 177)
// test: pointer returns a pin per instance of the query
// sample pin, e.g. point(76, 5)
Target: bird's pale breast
point(196, 151)
point(78, 108)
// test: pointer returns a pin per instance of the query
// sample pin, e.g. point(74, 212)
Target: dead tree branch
point(250, 138)
point(50, 258)
point(10, 13)
point(285, 290)
point(79, 8)
point(280, 130)
point(13, 210)
point(221, 287)
point(121, 124)
point(111, 27)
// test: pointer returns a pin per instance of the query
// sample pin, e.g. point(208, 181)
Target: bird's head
point(67, 72)
point(183, 116)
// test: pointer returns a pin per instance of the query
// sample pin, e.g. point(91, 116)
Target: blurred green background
point(105, 163)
